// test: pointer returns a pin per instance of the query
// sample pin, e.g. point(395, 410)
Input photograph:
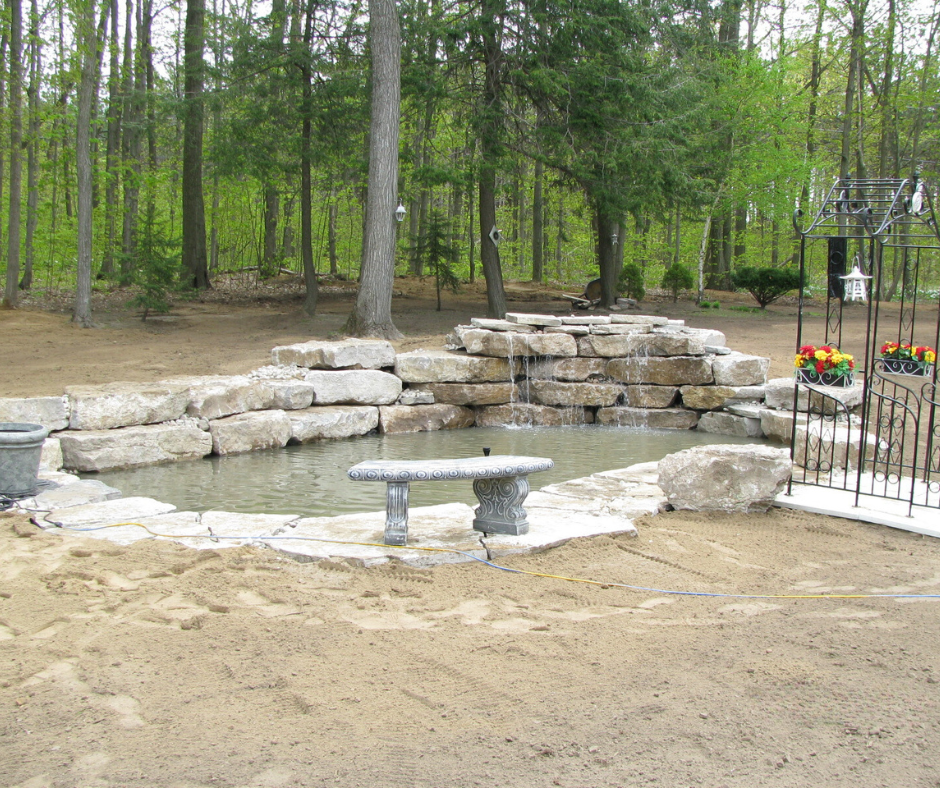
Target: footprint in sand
point(265, 606)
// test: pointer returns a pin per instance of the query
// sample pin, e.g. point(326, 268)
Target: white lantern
point(855, 288)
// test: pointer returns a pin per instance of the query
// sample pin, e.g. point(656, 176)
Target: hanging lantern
point(855, 287)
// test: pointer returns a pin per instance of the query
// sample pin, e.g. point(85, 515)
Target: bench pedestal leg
point(396, 513)
point(500, 510)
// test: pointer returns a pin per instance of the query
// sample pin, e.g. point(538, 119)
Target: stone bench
point(500, 483)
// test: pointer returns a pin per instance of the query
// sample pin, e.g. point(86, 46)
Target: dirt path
point(155, 665)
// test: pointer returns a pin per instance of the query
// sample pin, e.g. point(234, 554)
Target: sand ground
point(156, 665)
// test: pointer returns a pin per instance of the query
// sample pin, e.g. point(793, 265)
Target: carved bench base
point(500, 484)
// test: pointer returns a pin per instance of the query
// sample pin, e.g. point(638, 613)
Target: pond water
point(310, 480)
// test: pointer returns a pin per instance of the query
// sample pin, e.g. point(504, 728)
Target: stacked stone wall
point(637, 371)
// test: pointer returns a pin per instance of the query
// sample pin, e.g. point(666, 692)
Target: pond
point(310, 479)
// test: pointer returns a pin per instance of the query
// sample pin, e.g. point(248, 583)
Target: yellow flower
point(820, 355)
point(799, 360)
point(930, 357)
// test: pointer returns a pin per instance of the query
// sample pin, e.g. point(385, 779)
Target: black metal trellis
point(890, 446)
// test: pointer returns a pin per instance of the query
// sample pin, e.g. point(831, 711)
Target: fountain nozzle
point(486, 451)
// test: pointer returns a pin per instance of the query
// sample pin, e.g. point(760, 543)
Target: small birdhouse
point(855, 285)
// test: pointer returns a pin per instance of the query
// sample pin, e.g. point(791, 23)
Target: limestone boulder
point(288, 394)
point(739, 369)
point(354, 387)
point(719, 423)
point(608, 345)
point(265, 429)
point(120, 510)
point(51, 412)
point(415, 397)
point(50, 459)
point(706, 397)
point(824, 399)
point(130, 447)
point(508, 344)
point(609, 329)
point(473, 393)
point(575, 331)
point(441, 366)
point(586, 320)
point(218, 396)
point(345, 354)
point(533, 320)
point(825, 445)
point(708, 336)
point(523, 414)
point(649, 396)
point(125, 404)
point(492, 324)
point(662, 419)
point(570, 369)
point(423, 418)
point(562, 394)
point(777, 425)
point(650, 320)
point(660, 343)
point(728, 478)
point(332, 421)
point(674, 371)
point(82, 492)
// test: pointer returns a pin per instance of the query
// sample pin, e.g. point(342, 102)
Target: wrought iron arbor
point(890, 447)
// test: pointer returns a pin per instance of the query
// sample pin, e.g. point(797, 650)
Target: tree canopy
point(556, 140)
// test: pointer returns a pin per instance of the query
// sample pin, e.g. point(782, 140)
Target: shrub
point(630, 283)
point(766, 284)
point(157, 266)
point(676, 278)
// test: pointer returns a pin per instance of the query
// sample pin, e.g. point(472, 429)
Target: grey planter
point(20, 452)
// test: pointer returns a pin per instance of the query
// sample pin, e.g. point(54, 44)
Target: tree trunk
point(128, 146)
point(271, 209)
point(32, 145)
point(306, 187)
point(372, 315)
point(538, 226)
point(490, 143)
point(112, 148)
point(195, 261)
point(89, 47)
point(608, 226)
point(11, 291)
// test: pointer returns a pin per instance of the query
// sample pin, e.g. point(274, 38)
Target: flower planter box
point(906, 366)
point(805, 375)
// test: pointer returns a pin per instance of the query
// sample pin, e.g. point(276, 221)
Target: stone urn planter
point(20, 452)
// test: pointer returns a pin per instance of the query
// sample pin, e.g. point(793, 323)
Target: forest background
point(163, 145)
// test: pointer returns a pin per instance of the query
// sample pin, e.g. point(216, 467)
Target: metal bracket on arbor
point(494, 236)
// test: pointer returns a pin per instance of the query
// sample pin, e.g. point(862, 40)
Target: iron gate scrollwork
point(887, 445)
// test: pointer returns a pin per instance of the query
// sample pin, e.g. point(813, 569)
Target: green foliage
point(437, 250)
point(676, 278)
point(766, 284)
point(157, 271)
point(709, 304)
point(630, 282)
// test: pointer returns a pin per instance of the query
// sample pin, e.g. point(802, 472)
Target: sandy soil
point(155, 665)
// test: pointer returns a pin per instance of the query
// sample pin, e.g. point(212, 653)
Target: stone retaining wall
point(626, 370)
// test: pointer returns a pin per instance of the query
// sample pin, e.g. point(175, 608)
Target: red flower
point(820, 367)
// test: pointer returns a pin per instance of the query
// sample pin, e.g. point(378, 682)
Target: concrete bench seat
point(500, 483)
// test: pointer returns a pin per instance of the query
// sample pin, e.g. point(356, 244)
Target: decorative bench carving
point(500, 483)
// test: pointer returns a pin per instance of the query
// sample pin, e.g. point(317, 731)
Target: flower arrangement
point(907, 352)
point(824, 359)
